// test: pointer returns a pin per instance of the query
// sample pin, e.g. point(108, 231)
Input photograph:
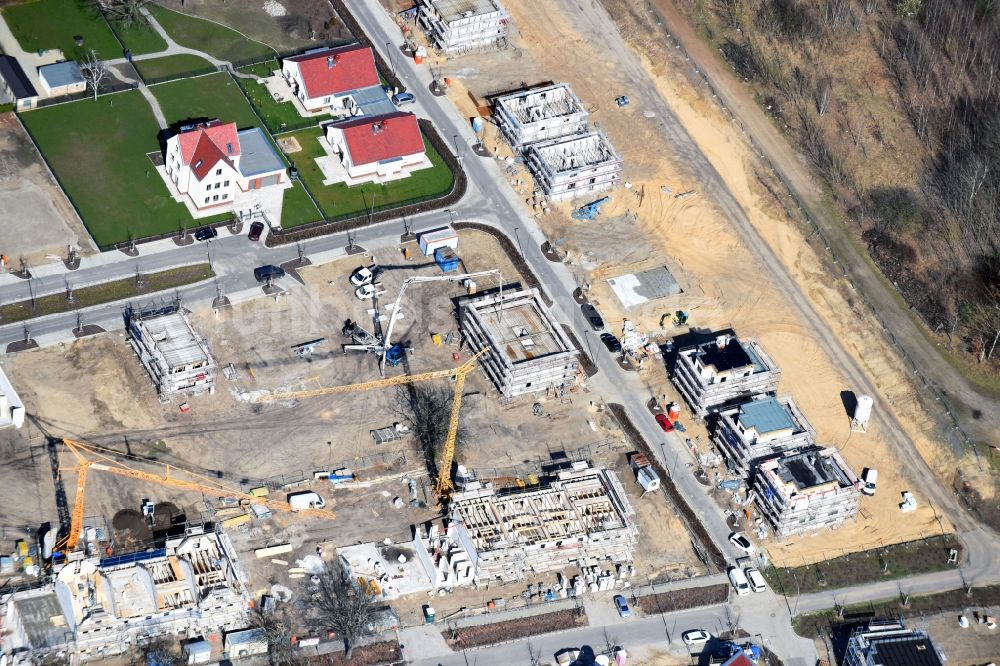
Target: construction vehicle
point(95, 458)
point(443, 485)
point(589, 211)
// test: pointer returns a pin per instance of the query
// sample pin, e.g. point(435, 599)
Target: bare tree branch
point(94, 71)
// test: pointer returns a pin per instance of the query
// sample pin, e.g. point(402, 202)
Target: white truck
point(305, 500)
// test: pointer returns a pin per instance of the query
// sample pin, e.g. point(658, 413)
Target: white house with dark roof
point(213, 168)
point(373, 149)
point(759, 429)
point(337, 80)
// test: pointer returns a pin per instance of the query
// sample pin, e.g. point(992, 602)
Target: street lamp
point(451, 215)
point(388, 53)
point(518, 239)
point(454, 138)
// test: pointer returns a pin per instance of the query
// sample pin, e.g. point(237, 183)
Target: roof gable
point(222, 136)
point(335, 71)
point(380, 138)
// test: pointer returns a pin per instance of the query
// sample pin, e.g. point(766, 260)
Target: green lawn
point(52, 24)
point(215, 96)
point(339, 201)
point(174, 65)
point(98, 152)
point(218, 96)
point(212, 38)
point(278, 116)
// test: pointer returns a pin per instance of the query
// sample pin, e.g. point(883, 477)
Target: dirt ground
point(96, 391)
point(28, 192)
point(724, 285)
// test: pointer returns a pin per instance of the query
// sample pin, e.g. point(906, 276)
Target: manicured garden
point(340, 201)
point(174, 65)
point(35, 26)
point(98, 153)
point(212, 38)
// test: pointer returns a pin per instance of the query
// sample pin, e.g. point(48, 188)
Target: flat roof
point(905, 651)
point(43, 620)
point(451, 10)
point(372, 100)
point(728, 357)
point(175, 339)
point(61, 73)
point(810, 469)
point(18, 82)
point(519, 325)
point(256, 153)
point(764, 416)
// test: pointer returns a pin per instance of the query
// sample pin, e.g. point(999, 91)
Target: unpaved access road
point(975, 410)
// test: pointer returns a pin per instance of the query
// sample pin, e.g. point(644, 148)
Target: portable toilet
point(446, 259)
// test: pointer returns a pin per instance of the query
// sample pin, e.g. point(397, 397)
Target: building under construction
point(461, 26)
point(539, 114)
point(569, 166)
point(96, 608)
point(175, 356)
point(759, 429)
point(581, 517)
point(806, 491)
point(527, 350)
point(723, 370)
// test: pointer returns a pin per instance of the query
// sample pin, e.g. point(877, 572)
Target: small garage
point(61, 78)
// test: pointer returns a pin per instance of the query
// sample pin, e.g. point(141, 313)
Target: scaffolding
point(759, 429)
point(540, 114)
point(581, 517)
point(569, 166)
point(462, 26)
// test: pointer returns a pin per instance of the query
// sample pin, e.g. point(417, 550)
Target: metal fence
point(104, 89)
point(189, 74)
point(366, 462)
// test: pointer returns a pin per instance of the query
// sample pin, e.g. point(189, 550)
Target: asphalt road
point(490, 200)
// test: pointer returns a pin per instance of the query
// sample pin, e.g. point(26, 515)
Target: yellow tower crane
point(443, 485)
point(92, 457)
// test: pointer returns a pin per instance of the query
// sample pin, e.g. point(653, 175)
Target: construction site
point(145, 471)
point(539, 114)
point(664, 219)
point(461, 26)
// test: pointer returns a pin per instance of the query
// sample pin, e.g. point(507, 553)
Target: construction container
point(259, 492)
point(235, 521)
point(446, 259)
point(419, 55)
point(648, 479)
point(198, 652)
point(673, 411)
point(432, 239)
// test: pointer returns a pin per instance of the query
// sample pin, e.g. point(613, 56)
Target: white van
point(868, 481)
point(755, 579)
point(306, 500)
point(739, 581)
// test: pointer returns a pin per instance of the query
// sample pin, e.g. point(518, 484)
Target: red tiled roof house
point(326, 79)
point(376, 148)
point(212, 167)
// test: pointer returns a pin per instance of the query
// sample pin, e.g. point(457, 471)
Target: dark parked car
point(611, 342)
point(664, 423)
point(593, 316)
point(256, 229)
point(265, 273)
point(399, 99)
point(205, 233)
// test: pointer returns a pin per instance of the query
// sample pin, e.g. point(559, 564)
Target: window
point(226, 184)
point(218, 185)
point(206, 199)
point(218, 172)
point(215, 197)
point(225, 196)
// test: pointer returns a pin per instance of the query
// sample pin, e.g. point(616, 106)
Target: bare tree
point(870, 6)
point(161, 651)
point(427, 410)
point(277, 626)
point(127, 13)
point(94, 71)
point(824, 88)
point(339, 605)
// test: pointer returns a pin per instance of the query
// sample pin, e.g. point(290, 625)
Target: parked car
point(269, 272)
point(593, 316)
point(611, 342)
point(742, 543)
point(622, 606)
point(368, 291)
point(739, 581)
point(361, 277)
point(256, 229)
point(696, 637)
point(399, 99)
point(755, 579)
point(665, 423)
point(205, 233)
point(869, 479)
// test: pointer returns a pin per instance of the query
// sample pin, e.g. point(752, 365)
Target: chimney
point(330, 60)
